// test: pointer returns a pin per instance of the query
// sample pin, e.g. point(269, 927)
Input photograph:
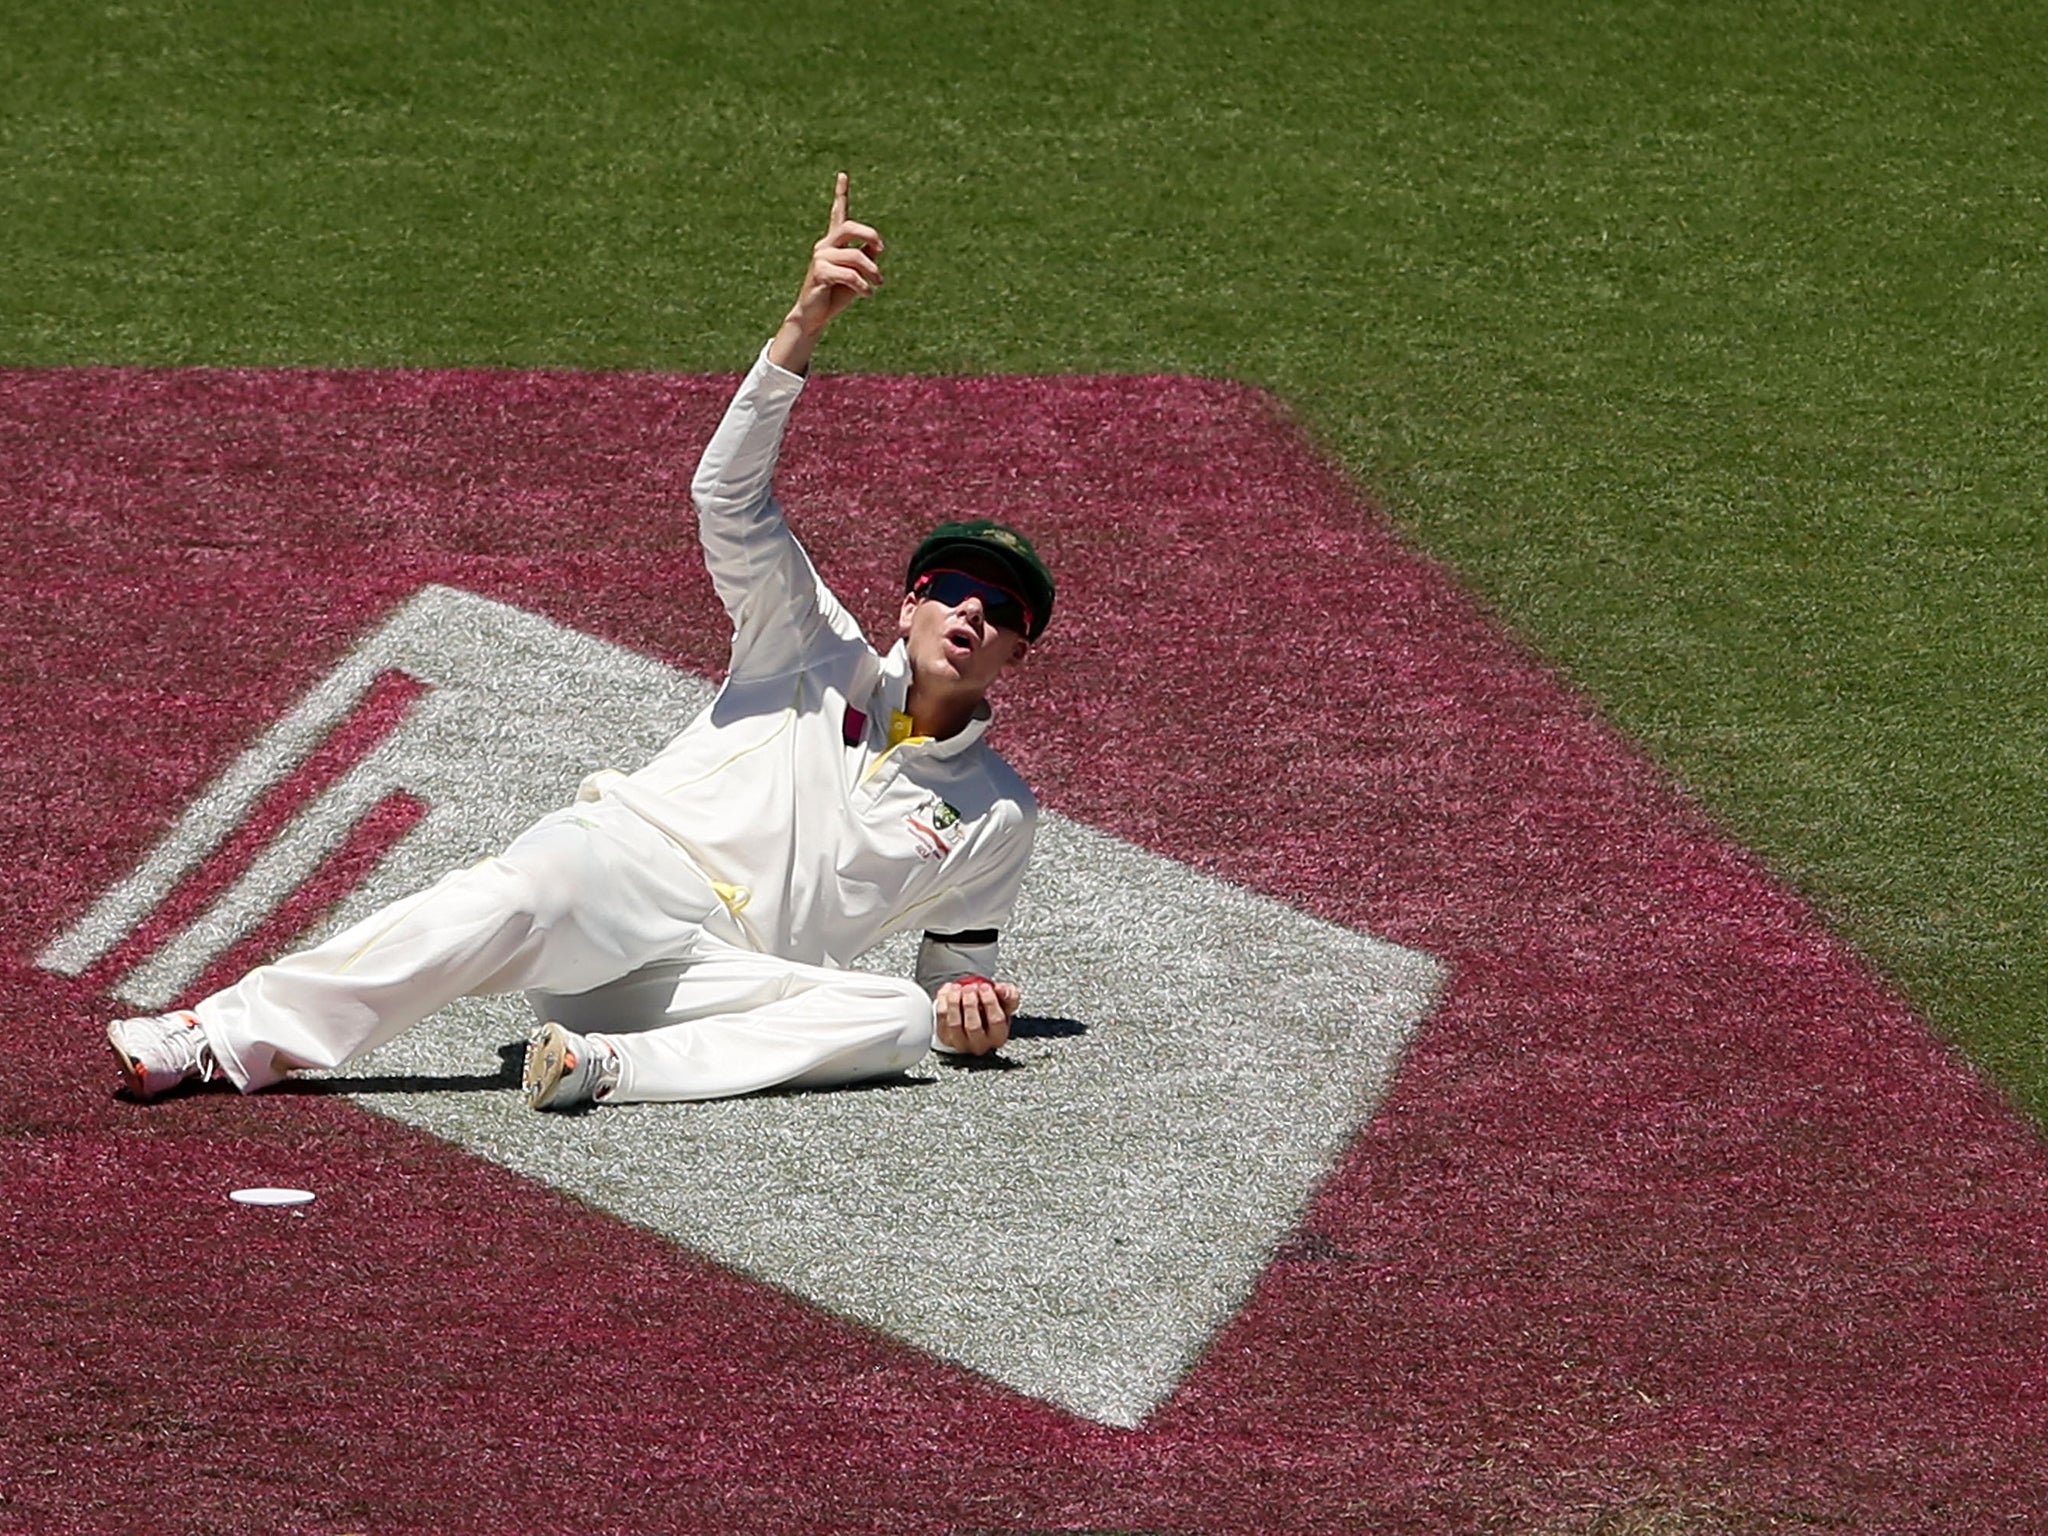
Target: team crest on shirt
point(929, 825)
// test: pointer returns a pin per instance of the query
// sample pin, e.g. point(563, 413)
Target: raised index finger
point(838, 203)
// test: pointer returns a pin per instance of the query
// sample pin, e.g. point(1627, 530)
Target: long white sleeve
point(763, 577)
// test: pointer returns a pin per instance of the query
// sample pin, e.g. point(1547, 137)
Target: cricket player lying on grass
point(685, 930)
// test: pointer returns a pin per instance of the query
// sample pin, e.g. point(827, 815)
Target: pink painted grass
point(1675, 1206)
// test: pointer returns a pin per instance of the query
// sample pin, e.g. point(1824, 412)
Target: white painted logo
point(1075, 1222)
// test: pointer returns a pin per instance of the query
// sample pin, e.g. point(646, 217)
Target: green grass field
point(1704, 340)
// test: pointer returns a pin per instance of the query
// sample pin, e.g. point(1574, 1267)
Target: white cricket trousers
point(599, 918)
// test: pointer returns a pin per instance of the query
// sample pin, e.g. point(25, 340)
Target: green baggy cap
point(1006, 546)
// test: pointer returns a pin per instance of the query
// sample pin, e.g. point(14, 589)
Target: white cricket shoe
point(565, 1070)
point(159, 1052)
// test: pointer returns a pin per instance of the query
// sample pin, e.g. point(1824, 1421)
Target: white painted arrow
point(1076, 1222)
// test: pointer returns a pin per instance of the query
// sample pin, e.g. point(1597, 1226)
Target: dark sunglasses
point(1004, 608)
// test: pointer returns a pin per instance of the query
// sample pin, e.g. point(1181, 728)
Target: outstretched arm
point(779, 608)
point(843, 268)
point(970, 1013)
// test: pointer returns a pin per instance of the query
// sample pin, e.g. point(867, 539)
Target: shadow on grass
point(512, 1057)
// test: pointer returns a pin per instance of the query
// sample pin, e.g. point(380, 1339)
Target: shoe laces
point(604, 1071)
point(194, 1046)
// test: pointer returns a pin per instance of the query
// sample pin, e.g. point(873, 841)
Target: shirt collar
point(895, 686)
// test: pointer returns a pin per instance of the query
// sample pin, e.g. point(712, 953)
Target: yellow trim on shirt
point(788, 719)
point(901, 727)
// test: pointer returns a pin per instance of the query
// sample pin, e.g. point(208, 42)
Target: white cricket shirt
point(822, 836)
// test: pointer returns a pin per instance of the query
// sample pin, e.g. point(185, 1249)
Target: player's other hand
point(973, 1014)
point(845, 265)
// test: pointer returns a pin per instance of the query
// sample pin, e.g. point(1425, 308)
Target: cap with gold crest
point(1008, 548)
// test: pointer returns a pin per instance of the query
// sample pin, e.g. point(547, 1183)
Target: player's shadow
point(512, 1061)
point(1029, 1026)
point(1026, 1026)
